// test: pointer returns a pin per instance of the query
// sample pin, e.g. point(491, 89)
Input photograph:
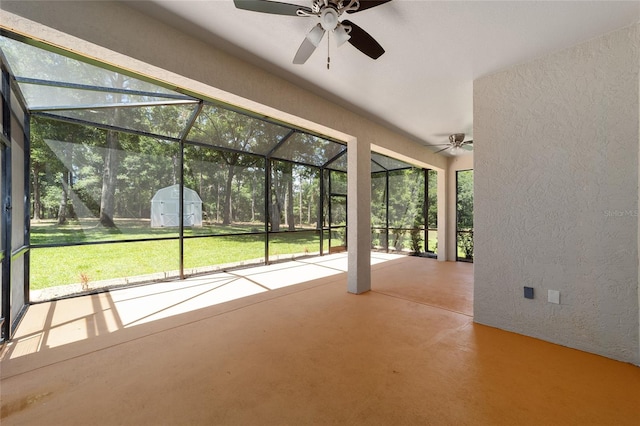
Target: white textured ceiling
point(423, 85)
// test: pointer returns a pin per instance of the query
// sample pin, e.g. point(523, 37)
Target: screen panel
point(92, 185)
point(160, 120)
point(17, 251)
point(230, 188)
point(308, 149)
point(67, 270)
point(231, 130)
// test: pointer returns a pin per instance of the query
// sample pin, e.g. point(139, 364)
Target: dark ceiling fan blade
point(443, 149)
point(368, 4)
point(361, 40)
point(266, 6)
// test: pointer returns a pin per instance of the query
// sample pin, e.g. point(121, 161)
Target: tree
point(240, 134)
point(110, 169)
point(109, 181)
point(464, 211)
point(432, 201)
point(41, 157)
point(290, 219)
point(277, 193)
point(65, 183)
point(465, 199)
point(55, 148)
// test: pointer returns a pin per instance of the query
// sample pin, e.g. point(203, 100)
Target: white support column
point(638, 207)
point(359, 216)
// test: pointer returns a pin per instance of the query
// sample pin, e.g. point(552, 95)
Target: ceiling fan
point(329, 13)
point(457, 144)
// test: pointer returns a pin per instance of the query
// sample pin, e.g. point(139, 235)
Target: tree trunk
point(65, 180)
point(253, 199)
point(278, 189)
point(291, 221)
point(174, 162)
point(319, 213)
point(300, 203)
point(217, 202)
point(64, 199)
point(37, 203)
point(237, 210)
point(286, 209)
point(226, 213)
point(275, 216)
point(109, 180)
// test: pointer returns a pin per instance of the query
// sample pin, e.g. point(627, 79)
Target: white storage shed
point(165, 207)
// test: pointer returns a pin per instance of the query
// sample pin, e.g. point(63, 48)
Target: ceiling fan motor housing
point(456, 138)
point(329, 18)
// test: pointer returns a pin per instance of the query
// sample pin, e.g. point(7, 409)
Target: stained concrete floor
point(252, 347)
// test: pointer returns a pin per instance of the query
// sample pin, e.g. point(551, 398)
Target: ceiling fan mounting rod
point(320, 8)
point(353, 5)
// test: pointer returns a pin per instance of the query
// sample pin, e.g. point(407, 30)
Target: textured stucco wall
point(556, 196)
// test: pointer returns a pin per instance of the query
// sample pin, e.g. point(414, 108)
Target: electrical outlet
point(554, 297)
point(528, 292)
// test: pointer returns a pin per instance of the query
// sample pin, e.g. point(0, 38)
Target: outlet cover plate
point(554, 296)
point(528, 292)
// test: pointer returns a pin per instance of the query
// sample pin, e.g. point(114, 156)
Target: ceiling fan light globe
point(455, 150)
point(315, 35)
point(341, 35)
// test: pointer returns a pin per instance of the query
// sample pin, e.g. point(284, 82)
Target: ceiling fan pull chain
point(328, 47)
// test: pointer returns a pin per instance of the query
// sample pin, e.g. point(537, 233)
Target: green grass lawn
point(89, 230)
point(54, 266)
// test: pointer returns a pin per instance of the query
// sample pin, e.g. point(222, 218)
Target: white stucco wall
point(556, 196)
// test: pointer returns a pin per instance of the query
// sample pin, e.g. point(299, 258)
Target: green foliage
point(465, 244)
point(398, 238)
point(406, 206)
point(416, 235)
point(432, 202)
point(432, 243)
point(338, 182)
point(68, 160)
point(339, 237)
point(464, 211)
point(465, 199)
point(406, 197)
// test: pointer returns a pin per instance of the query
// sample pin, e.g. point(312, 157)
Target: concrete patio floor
point(285, 344)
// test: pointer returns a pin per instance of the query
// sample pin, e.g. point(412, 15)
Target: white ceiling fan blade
point(443, 149)
point(309, 44)
point(304, 52)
